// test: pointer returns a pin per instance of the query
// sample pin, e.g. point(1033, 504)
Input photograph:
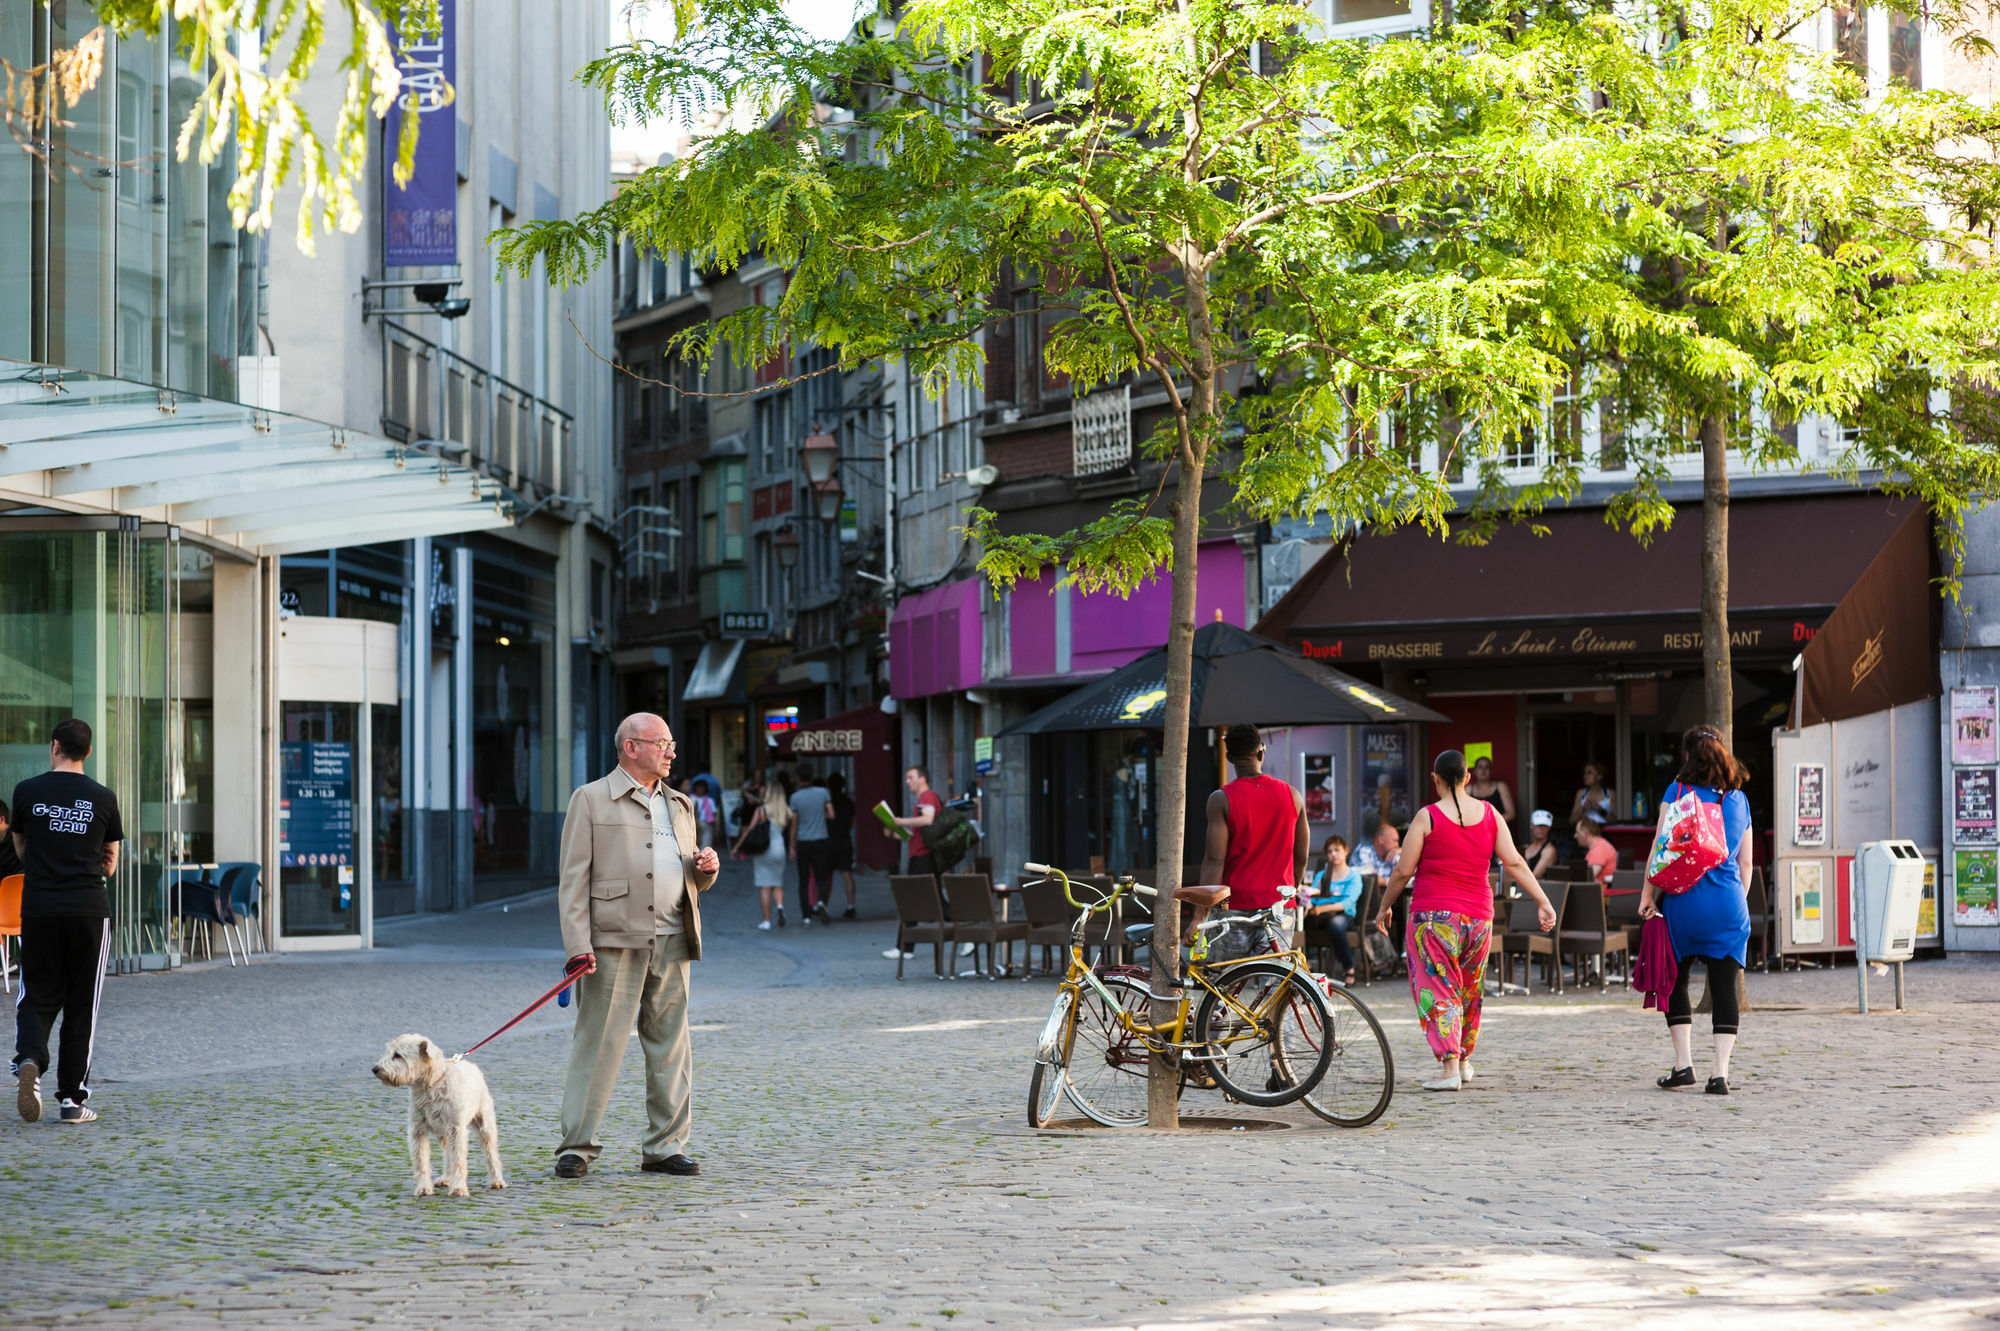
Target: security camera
point(453, 309)
point(983, 476)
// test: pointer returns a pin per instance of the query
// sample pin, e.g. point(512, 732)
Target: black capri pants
point(1722, 973)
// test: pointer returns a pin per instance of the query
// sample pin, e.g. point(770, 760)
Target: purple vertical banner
point(420, 220)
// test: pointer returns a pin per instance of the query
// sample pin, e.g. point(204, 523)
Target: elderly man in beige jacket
point(631, 868)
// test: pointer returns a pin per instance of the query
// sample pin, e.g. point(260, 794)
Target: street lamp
point(820, 453)
point(786, 542)
point(827, 499)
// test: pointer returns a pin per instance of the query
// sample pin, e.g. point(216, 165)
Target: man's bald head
point(645, 747)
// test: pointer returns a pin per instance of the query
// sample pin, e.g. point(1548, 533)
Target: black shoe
point(820, 912)
point(1717, 1086)
point(847, 914)
point(72, 1112)
point(673, 1164)
point(571, 1166)
point(1676, 1079)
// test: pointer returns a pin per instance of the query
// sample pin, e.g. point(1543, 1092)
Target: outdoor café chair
point(1621, 910)
point(1525, 939)
point(1758, 902)
point(1587, 932)
point(202, 902)
point(921, 913)
point(1048, 921)
point(11, 888)
point(241, 881)
point(976, 921)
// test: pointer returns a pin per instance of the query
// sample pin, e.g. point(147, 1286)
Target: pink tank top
point(1451, 871)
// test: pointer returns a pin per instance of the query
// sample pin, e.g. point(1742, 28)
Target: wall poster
point(1316, 779)
point(1809, 804)
point(1975, 874)
point(1974, 713)
point(1385, 773)
point(1927, 909)
point(1808, 897)
point(1972, 817)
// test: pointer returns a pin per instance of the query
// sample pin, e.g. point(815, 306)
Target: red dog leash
point(569, 978)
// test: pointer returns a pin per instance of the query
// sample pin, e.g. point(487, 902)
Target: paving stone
point(865, 1165)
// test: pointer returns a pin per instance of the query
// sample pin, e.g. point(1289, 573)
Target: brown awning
point(1879, 648)
point(1586, 589)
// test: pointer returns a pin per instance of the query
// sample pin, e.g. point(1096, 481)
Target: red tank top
point(1451, 871)
point(1263, 828)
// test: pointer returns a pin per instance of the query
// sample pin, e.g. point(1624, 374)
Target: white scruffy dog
point(447, 1101)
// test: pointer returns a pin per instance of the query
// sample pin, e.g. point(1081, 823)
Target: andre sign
point(826, 741)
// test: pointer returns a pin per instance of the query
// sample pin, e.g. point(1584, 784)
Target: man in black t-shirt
point(67, 832)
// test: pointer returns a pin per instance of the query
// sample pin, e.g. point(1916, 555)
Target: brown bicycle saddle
point(1203, 897)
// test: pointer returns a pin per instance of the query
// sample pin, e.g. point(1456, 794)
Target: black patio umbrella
point(1239, 679)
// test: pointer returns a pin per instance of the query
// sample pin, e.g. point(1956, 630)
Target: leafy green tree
point(252, 96)
point(1296, 239)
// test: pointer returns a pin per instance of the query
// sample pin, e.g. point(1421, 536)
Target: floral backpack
point(1690, 842)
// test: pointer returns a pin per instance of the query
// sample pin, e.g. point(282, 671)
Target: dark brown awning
point(1879, 648)
point(1586, 589)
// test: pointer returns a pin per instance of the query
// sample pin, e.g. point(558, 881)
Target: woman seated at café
point(1540, 851)
point(1336, 900)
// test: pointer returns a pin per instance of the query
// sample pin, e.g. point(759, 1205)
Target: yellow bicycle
point(1261, 1027)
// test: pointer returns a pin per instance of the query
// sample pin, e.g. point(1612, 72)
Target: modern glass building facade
point(114, 257)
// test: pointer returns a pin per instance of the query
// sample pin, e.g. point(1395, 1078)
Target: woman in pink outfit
point(1446, 851)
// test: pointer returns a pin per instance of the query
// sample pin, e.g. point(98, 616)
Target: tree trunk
point(1717, 690)
point(1164, 1079)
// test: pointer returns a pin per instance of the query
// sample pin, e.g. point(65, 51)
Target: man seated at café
point(1598, 852)
point(1379, 856)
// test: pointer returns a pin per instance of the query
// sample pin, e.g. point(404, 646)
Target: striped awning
point(263, 481)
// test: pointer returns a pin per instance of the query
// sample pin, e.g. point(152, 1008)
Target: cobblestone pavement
point(865, 1163)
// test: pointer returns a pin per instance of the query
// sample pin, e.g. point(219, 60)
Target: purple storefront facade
point(964, 665)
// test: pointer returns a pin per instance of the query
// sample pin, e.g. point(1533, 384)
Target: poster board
point(1974, 712)
point(1809, 804)
point(1385, 773)
point(1806, 895)
point(1972, 808)
point(1975, 881)
point(1316, 782)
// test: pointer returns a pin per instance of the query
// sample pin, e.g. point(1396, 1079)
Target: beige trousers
point(648, 987)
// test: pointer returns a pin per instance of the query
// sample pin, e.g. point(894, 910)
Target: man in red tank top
point(1258, 837)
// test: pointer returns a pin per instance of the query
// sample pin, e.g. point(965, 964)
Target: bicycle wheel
point(1361, 1075)
point(1105, 1064)
point(1045, 1084)
point(1278, 1051)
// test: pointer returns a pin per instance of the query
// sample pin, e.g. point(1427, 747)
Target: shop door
point(1562, 741)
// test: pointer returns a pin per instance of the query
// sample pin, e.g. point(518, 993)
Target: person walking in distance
point(10, 863)
point(840, 831)
point(1449, 845)
point(812, 845)
point(68, 833)
point(631, 870)
point(1258, 836)
point(767, 866)
point(1710, 922)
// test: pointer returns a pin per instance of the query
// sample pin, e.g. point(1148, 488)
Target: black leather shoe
point(571, 1166)
point(1679, 1077)
point(673, 1164)
point(1717, 1086)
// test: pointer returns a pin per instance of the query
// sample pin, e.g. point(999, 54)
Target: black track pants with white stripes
point(62, 974)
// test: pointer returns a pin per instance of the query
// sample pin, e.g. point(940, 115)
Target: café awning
point(1879, 648)
point(262, 481)
point(714, 672)
point(1585, 588)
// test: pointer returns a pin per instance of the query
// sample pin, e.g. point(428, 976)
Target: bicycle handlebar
point(1090, 908)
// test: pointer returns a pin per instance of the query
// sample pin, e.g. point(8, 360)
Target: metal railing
point(432, 394)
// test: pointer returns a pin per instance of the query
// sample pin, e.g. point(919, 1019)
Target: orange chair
point(10, 924)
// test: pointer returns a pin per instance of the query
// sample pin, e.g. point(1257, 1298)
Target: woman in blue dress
point(1710, 922)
